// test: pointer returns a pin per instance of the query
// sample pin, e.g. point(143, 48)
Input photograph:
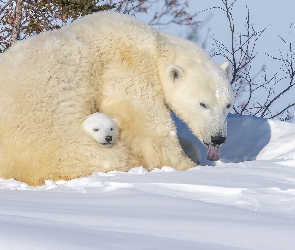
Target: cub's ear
point(226, 66)
point(175, 72)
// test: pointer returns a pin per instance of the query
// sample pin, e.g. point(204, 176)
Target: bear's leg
point(73, 160)
point(84, 158)
point(151, 135)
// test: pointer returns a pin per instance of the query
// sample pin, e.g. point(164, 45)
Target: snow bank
point(250, 138)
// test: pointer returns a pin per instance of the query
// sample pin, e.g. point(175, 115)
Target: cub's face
point(102, 128)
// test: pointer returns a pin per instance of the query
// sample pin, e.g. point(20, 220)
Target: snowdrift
point(250, 138)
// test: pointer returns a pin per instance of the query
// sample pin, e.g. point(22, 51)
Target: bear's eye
point(111, 129)
point(228, 106)
point(203, 105)
point(96, 129)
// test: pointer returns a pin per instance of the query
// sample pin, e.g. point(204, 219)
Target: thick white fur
point(101, 128)
point(108, 63)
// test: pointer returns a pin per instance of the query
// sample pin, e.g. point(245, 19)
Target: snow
point(245, 201)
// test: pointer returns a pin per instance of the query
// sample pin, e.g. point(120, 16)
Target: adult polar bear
point(108, 63)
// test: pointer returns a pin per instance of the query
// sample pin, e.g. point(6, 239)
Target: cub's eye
point(203, 105)
point(228, 106)
point(111, 129)
point(175, 74)
point(96, 129)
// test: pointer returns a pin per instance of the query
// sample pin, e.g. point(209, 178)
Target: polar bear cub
point(102, 128)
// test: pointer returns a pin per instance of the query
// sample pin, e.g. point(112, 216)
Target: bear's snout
point(217, 140)
point(109, 138)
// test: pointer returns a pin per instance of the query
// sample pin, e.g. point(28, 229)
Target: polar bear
point(101, 128)
point(110, 63)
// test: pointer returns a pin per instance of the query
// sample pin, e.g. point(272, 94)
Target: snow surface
point(245, 201)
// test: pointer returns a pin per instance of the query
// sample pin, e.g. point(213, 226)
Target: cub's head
point(102, 128)
point(198, 91)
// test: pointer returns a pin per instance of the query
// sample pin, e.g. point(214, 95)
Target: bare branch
point(283, 110)
point(17, 22)
point(5, 5)
point(242, 53)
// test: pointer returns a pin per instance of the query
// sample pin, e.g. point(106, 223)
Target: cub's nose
point(108, 138)
point(217, 140)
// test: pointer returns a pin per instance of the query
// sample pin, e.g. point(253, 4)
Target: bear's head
point(102, 128)
point(198, 91)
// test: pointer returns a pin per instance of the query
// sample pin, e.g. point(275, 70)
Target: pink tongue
point(213, 153)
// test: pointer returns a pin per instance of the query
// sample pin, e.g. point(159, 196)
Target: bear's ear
point(226, 66)
point(175, 72)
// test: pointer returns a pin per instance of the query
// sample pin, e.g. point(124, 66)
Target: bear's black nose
point(217, 140)
point(108, 138)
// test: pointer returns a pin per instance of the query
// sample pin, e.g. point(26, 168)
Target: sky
point(276, 15)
